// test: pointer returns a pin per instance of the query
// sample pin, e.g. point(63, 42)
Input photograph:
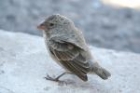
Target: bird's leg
point(56, 78)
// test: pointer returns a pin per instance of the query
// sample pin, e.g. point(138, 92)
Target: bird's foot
point(55, 78)
point(52, 78)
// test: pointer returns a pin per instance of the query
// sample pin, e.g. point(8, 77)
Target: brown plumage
point(68, 48)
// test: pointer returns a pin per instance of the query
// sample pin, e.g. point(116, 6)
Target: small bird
point(67, 46)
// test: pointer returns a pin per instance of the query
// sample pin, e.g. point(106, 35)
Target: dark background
point(103, 25)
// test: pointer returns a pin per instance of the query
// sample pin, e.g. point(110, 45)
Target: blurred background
point(112, 24)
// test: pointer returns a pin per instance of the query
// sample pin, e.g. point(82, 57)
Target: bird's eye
point(51, 24)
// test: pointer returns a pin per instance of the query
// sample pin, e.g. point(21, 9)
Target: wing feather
point(71, 58)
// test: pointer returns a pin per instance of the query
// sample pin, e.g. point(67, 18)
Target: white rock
point(24, 62)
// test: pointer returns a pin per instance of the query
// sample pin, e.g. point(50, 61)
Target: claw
point(51, 78)
point(55, 78)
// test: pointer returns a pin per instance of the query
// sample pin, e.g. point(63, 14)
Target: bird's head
point(55, 21)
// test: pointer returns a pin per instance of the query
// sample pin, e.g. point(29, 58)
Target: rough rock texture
point(24, 62)
point(103, 26)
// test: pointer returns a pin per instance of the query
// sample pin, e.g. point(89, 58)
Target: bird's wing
point(75, 38)
point(70, 56)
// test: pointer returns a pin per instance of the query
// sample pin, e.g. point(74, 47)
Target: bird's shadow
point(76, 83)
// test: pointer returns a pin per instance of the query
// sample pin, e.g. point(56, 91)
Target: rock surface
point(24, 62)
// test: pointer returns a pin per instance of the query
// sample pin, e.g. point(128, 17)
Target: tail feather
point(101, 72)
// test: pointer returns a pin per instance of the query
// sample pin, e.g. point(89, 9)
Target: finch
point(67, 46)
